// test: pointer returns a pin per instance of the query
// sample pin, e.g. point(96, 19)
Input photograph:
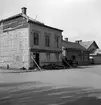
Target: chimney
point(24, 10)
point(78, 41)
point(66, 39)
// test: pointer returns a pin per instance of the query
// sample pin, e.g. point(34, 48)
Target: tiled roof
point(86, 44)
point(73, 45)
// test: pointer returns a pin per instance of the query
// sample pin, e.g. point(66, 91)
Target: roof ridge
point(88, 41)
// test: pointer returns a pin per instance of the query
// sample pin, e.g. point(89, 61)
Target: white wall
point(14, 48)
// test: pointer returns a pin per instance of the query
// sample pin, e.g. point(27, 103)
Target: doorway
point(36, 58)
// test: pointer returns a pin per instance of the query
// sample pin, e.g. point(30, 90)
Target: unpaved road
point(58, 87)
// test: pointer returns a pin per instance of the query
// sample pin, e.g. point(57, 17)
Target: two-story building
point(23, 38)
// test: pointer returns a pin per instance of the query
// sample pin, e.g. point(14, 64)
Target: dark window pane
point(48, 56)
point(36, 38)
point(47, 40)
point(57, 41)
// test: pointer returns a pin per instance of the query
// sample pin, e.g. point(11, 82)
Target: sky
point(80, 19)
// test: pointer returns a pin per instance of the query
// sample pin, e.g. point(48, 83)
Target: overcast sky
point(80, 19)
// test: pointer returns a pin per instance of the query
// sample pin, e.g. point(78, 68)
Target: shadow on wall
point(85, 101)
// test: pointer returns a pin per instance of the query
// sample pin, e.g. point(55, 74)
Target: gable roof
point(29, 19)
point(11, 17)
point(96, 52)
point(87, 44)
point(72, 45)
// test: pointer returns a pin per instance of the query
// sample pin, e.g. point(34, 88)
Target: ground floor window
point(57, 56)
point(86, 57)
point(48, 56)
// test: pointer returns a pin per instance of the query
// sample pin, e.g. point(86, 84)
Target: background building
point(92, 47)
point(89, 45)
point(70, 49)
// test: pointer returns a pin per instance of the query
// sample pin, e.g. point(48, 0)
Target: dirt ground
point(79, 86)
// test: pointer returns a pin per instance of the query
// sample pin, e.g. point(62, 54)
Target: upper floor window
point(57, 41)
point(47, 39)
point(36, 38)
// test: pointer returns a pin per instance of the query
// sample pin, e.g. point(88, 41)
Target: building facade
point(72, 49)
point(23, 39)
point(92, 47)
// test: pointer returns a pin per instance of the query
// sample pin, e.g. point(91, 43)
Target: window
point(47, 39)
point(57, 56)
point(36, 38)
point(57, 41)
point(17, 58)
point(86, 57)
point(48, 56)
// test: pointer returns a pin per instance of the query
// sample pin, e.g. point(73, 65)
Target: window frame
point(57, 41)
point(48, 56)
point(47, 39)
point(36, 38)
point(57, 56)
